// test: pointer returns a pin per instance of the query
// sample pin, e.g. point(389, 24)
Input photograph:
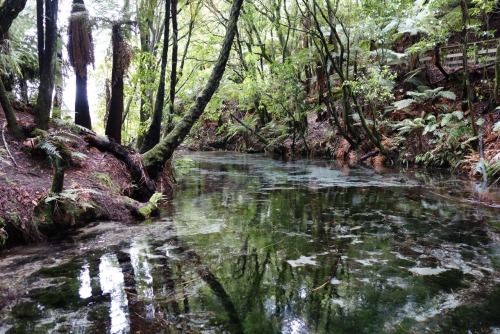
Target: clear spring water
point(249, 244)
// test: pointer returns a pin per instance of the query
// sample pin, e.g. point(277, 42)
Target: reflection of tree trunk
point(259, 272)
point(185, 296)
point(208, 277)
point(167, 274)
point(214, 284)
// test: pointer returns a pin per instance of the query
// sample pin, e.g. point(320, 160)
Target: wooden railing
point(478, 54)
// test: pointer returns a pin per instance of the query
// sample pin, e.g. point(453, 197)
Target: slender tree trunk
point(82, 112)
point(437, 61)
point(152, 136)
point(114, 124)
point(58, 81)
point(47, 63)
point(9, 113)
point(173, 73)
point(156, 158)
point(496, 90)
point(467, 87)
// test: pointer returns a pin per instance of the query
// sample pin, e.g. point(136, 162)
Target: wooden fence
point(478, 54)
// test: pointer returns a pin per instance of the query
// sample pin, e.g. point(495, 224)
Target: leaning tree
point(81, 54)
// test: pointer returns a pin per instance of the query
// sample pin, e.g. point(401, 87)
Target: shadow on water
point(254, 245)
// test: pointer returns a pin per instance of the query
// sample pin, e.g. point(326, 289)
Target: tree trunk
point(114, 124)
point(173, 73)
point(82, 112)
point(47, 63)
point(9, 113)
point(143, 188)
point(81, 54)
point(467, 87)
point(152, 136)
point(8, 12)
point(437, 61)
point(58, 82)
point(496, 90)
point(156, 158)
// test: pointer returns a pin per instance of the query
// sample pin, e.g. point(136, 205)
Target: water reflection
point(252, 245)
point(112, 282)
point(140, 254)
point(85, 290)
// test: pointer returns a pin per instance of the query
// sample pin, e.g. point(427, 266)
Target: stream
point(249, 244)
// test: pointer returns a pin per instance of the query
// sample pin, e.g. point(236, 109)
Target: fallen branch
point(259, 137)
point(143, 187)
point(6, 146)
point(368, 155)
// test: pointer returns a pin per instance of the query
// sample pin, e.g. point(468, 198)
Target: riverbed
point(250, 244)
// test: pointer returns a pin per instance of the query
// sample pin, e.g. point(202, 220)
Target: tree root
point(143, 187)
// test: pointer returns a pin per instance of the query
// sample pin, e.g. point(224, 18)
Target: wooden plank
point(454, 62)
point(487, 51)
point(425, 59)
point(453, 55)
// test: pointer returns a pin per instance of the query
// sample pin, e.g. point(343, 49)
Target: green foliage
point(424, 94)
point(375, 87)
point(452, 138)
point(71, 195)
point(183, 165)
point(57, 146)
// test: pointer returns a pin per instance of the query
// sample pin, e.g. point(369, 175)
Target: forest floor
point(26, 176)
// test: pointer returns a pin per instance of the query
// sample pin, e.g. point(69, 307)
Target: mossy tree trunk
point(9, 113)
point(156, 158)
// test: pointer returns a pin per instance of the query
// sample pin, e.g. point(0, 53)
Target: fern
point(49, 148)
point(403, 104)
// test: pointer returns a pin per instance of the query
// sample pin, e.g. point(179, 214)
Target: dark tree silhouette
point(121, 60)
point(47, 46)
point(81, 54)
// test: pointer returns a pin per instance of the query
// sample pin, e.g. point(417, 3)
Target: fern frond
point(49, 148)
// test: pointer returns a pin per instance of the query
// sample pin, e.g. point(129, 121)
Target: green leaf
point(448, 95)
point(496, 127)
point(402, 104)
